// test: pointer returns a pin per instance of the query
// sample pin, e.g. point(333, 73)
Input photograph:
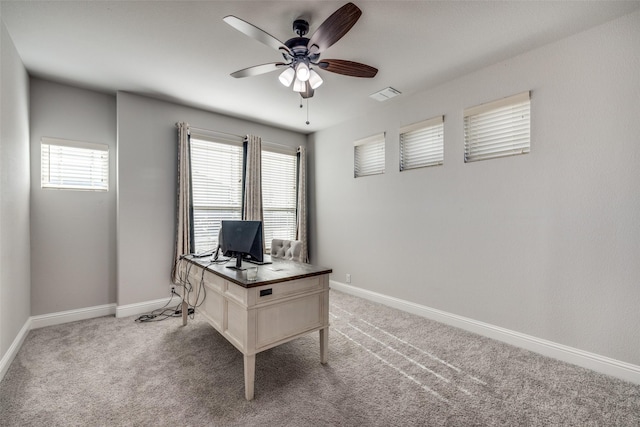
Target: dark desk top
point(278, 271)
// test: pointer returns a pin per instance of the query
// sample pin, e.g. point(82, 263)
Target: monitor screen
point(241, 239)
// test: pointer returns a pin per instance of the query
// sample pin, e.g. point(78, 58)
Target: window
point(498, 129)
point(369, 156)
point(217, 187)
point(279, 192)
point(422, 144)
point(74, 165)
point(216, 184)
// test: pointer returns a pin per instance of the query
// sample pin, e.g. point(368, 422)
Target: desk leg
point(185, 312)
point(249, 375)
point(324, 345)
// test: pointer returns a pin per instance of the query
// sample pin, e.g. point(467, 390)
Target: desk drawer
point(268, 293)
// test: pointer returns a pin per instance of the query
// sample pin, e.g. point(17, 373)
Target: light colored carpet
point(386, 368)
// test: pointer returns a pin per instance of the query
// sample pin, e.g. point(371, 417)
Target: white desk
point(288, 300)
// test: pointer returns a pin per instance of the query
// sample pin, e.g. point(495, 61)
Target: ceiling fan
point(302, 54)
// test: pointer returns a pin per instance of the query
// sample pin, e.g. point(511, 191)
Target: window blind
point(216, 183)
point(74, 165)
point(498, 129)
point(279, 188)
point(369, 156)
point(422, 144)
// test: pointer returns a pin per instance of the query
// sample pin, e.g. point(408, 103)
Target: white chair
point(286, 249)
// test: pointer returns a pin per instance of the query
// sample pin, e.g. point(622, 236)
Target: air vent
point(385, 94)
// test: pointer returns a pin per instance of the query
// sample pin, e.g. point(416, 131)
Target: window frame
point(292, 208)
point(426, 148)
point(511, 135)
point(209, 241)
point(94, 163)
point(369, 155)
point(203, 244)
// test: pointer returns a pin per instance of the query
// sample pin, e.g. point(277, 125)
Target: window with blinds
point(498, 129)
point(279, 188)
point(74, 165)
point(216, 183)
point(422, 144)
point(369, 156)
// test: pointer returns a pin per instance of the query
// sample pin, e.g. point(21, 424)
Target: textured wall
point(545, 244)
point(15, 288)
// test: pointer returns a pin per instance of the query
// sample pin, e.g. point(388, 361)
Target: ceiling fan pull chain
point(307, 110)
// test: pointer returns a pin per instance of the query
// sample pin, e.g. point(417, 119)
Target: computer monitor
point(241, 239)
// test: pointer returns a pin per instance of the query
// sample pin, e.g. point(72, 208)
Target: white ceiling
point(182, 51)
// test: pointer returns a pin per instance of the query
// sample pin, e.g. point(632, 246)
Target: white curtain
point(301, 229)
point(252, 206)
point(183, 243)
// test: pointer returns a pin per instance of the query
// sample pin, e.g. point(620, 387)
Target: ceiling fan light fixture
point(299, 86)
point(314, 79)
point(287, 76)
point(302, 72)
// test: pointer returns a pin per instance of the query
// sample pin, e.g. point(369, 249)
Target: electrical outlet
point(348, 278)
point(172, 289)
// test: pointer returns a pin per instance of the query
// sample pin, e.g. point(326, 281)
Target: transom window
point(422, 144)
point(369, 156)
point(498, 129)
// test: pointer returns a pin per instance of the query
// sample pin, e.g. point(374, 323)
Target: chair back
point(286, 249)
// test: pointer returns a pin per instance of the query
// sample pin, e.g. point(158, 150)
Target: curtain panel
point(301, 208)
point(184, 211)
point(252, 203)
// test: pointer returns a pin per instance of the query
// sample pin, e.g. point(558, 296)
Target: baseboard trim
point(141, 307)
point(11, 353)
point(585, 359)
point(61, 317)
point(43, 320)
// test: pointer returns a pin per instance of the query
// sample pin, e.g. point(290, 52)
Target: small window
point(74, 165)
point(369, 155)
point(422, 144)
point(498, 129)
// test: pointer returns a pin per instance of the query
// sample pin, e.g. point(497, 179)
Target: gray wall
point(147, 179)
point(72, 232)
point(546, 244)
point(15, 274)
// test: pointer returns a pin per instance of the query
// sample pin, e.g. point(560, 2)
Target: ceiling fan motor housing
point(298, 46)
point(300, 27)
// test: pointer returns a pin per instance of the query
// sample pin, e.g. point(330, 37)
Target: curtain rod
point(236, 136)
point(214, 131)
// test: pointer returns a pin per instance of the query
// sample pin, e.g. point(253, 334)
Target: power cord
point(200, 290)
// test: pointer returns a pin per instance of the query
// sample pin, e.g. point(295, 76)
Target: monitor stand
point(238, 265)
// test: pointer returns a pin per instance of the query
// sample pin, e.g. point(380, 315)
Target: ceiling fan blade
point(334, 27)
point(257, 70)
point(348, 68)
point(255, 33)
